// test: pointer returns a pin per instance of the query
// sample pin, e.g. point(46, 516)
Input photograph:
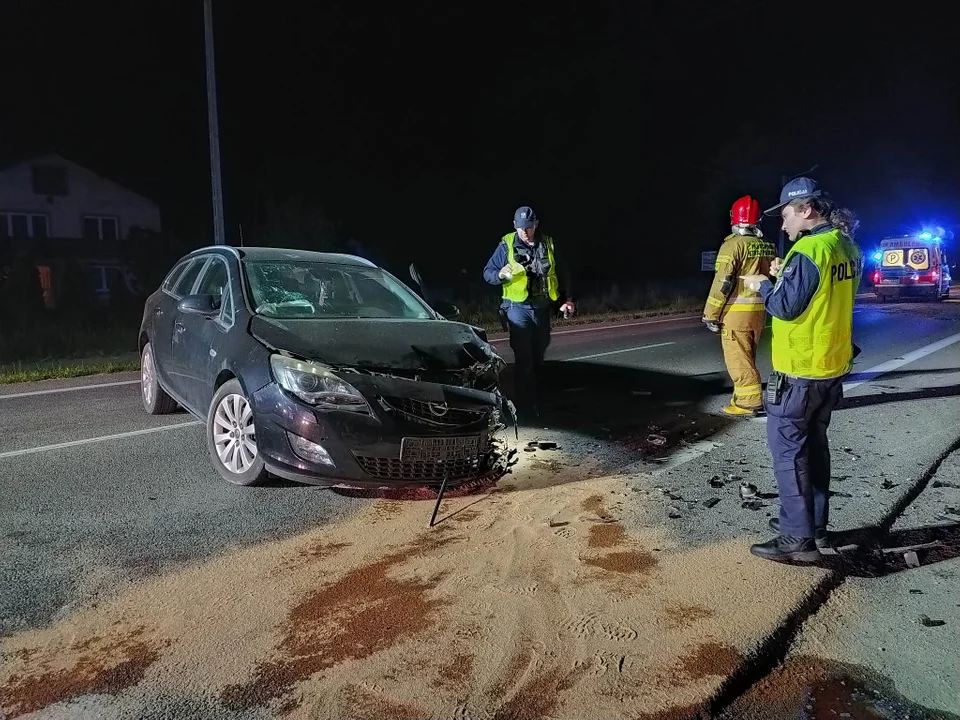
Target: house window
point(100, 228)
point(23, 225)
point(98, 279)
point(49, 180)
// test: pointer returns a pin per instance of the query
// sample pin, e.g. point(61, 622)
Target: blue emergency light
point(925, 236)
point(877, 256)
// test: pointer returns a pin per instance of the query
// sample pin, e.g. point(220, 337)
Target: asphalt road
point(97, 493)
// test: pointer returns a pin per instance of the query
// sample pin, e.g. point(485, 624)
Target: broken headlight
point(316, 385)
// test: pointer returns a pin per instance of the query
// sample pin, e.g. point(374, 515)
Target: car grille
point(393, 469)
point(420, 412)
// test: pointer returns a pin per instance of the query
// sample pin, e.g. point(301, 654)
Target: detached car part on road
point(322, 369)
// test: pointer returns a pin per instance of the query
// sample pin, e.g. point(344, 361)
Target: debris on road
point(927, 622)
point(748, 490)
point(911, 559)
point(753, 505)
point(656, 439)
point(716, 482)
point(945, 484)
point(711, 502)
point(888, 485)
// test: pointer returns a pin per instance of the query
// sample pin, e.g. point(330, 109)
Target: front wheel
point(232, 437)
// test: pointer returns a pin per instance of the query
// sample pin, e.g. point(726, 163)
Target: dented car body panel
point(422, 394)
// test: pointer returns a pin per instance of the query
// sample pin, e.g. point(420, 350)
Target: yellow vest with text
point(516, 289)
point(819, 343)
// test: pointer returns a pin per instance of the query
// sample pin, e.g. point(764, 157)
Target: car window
point(226, 309)
point(295, 289)
point(214, 279)
point(173, 275)
point(189, 276)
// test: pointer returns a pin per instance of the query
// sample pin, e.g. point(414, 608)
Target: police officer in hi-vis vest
point(736, 312)
point(525, 265)
point(812, 308)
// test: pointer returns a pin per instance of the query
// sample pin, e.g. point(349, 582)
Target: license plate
point(439, 449)
point(890, 281)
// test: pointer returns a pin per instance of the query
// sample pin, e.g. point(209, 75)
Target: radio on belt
point(774, 388)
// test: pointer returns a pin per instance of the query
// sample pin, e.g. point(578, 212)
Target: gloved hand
point(568, 309)
point(712, 325)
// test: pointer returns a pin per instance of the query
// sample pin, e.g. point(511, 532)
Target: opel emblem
point(438, 409)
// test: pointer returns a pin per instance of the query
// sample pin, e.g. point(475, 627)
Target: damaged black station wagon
point(322, 369)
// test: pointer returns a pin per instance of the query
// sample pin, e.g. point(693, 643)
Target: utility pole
point(219, 234)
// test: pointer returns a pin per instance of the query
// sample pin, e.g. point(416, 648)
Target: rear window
point(916, 258)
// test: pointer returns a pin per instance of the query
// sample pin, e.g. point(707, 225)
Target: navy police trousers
point(797, 435)
point(529, 338)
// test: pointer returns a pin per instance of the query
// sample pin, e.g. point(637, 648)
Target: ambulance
point(913, 266)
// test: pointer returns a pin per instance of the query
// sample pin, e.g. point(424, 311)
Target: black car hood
point(382, 344)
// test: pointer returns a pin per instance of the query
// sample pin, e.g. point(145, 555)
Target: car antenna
point(240, 226)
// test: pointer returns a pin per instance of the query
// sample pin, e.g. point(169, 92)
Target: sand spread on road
point(531, 600)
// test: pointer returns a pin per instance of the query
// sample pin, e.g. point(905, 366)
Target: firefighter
point(737, 313)
point(812, 308)
point(525, 265)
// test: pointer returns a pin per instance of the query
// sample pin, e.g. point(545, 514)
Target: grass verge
point(64, 369)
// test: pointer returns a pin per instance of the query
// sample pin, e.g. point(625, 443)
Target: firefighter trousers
point(740, 357)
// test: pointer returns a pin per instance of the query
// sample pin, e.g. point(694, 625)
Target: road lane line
point(33, 393)
point(598, 328)
point(897, 363)
point(882, 369)
point(102, 438)
point(616, 352)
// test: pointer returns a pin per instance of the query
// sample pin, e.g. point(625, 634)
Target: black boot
point(820, 534)
point(787, 548)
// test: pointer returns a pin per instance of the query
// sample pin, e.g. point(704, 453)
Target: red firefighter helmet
point(745, 211)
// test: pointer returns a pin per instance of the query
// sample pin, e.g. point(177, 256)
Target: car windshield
point(293, 289)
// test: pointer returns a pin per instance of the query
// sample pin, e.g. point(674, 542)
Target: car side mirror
point(447, 310)
point(199, 305)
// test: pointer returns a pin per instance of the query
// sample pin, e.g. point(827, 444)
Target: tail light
point(876, 277)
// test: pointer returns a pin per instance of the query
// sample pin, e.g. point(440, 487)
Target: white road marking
point(102, 438)
point(615, 352)
point(598, 328)
point(897, 363)
point(53, 391)
point(882, 369)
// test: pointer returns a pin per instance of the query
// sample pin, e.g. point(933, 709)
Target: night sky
point(419, 127)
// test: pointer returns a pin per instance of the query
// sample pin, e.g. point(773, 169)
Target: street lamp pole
point(214, 131)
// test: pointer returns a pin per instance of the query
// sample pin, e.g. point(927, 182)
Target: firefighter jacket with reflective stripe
point(729, 302)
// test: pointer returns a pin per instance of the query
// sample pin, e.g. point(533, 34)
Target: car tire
point(231, 437)
point(155, 399)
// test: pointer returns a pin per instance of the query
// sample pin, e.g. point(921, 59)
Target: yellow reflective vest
point(515, 289)
point(819, 343)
